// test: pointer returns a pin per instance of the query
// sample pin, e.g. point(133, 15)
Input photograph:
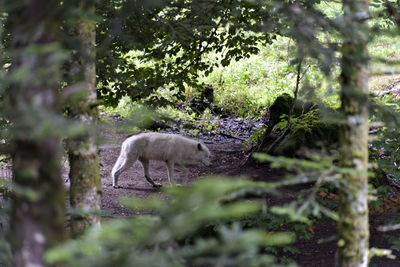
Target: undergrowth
point(245, 88)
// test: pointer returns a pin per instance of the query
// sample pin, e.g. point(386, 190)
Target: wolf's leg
point(116, 170)
point(185, 172)
point(123, 163)
point(183, 169)
point(145, 163)
point(170, 167)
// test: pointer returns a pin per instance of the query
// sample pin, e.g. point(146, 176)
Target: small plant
point(175, 234)
point(255, 137)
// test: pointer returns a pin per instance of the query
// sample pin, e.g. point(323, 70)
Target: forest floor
point(227, 156)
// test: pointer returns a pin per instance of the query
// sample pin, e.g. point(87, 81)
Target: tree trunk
point(32, 107)
point(353, 207)
point(1, 34)
point(38, 207)
point(85, 190)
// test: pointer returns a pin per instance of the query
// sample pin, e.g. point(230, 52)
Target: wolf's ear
point(199, 147)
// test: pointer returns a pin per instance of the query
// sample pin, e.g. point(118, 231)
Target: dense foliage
point(196, 225)
point(155, 52)
point(144, 46)
point(170, 39)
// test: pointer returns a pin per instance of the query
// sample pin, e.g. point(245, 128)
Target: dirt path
point(226, 158)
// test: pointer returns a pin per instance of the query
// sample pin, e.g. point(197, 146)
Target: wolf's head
point(203, 154)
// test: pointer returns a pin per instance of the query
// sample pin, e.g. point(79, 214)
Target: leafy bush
point(247, 86)
point(173, 237)
point(384, 148)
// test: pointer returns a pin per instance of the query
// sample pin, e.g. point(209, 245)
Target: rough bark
point(32, 104)
point(353, 207)
point(1, 31)
point(38, 207)
point(85, 190)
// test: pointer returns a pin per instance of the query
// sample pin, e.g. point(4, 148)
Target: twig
point(305, 72)
point(296, 91)
point(387, 228)
point(231, 136)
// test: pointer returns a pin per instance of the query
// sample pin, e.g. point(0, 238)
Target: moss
point(85, 189)
point(282, 106)
point(310, 131)
point(309, 127)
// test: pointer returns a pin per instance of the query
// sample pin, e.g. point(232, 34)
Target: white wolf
point(174, 150)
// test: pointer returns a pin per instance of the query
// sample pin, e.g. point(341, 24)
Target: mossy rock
point(310, 131)
point(283, 104)
point(309, 128)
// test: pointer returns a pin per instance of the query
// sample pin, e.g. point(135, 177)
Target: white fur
point(174, 150)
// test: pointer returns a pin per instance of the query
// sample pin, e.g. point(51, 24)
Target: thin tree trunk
point(32, 104)
point(5, 258)
point(38, 207)
point(1, 33)
point(353, 207)
point(85, 190)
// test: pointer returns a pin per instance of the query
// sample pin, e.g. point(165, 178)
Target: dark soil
point(227, 156)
